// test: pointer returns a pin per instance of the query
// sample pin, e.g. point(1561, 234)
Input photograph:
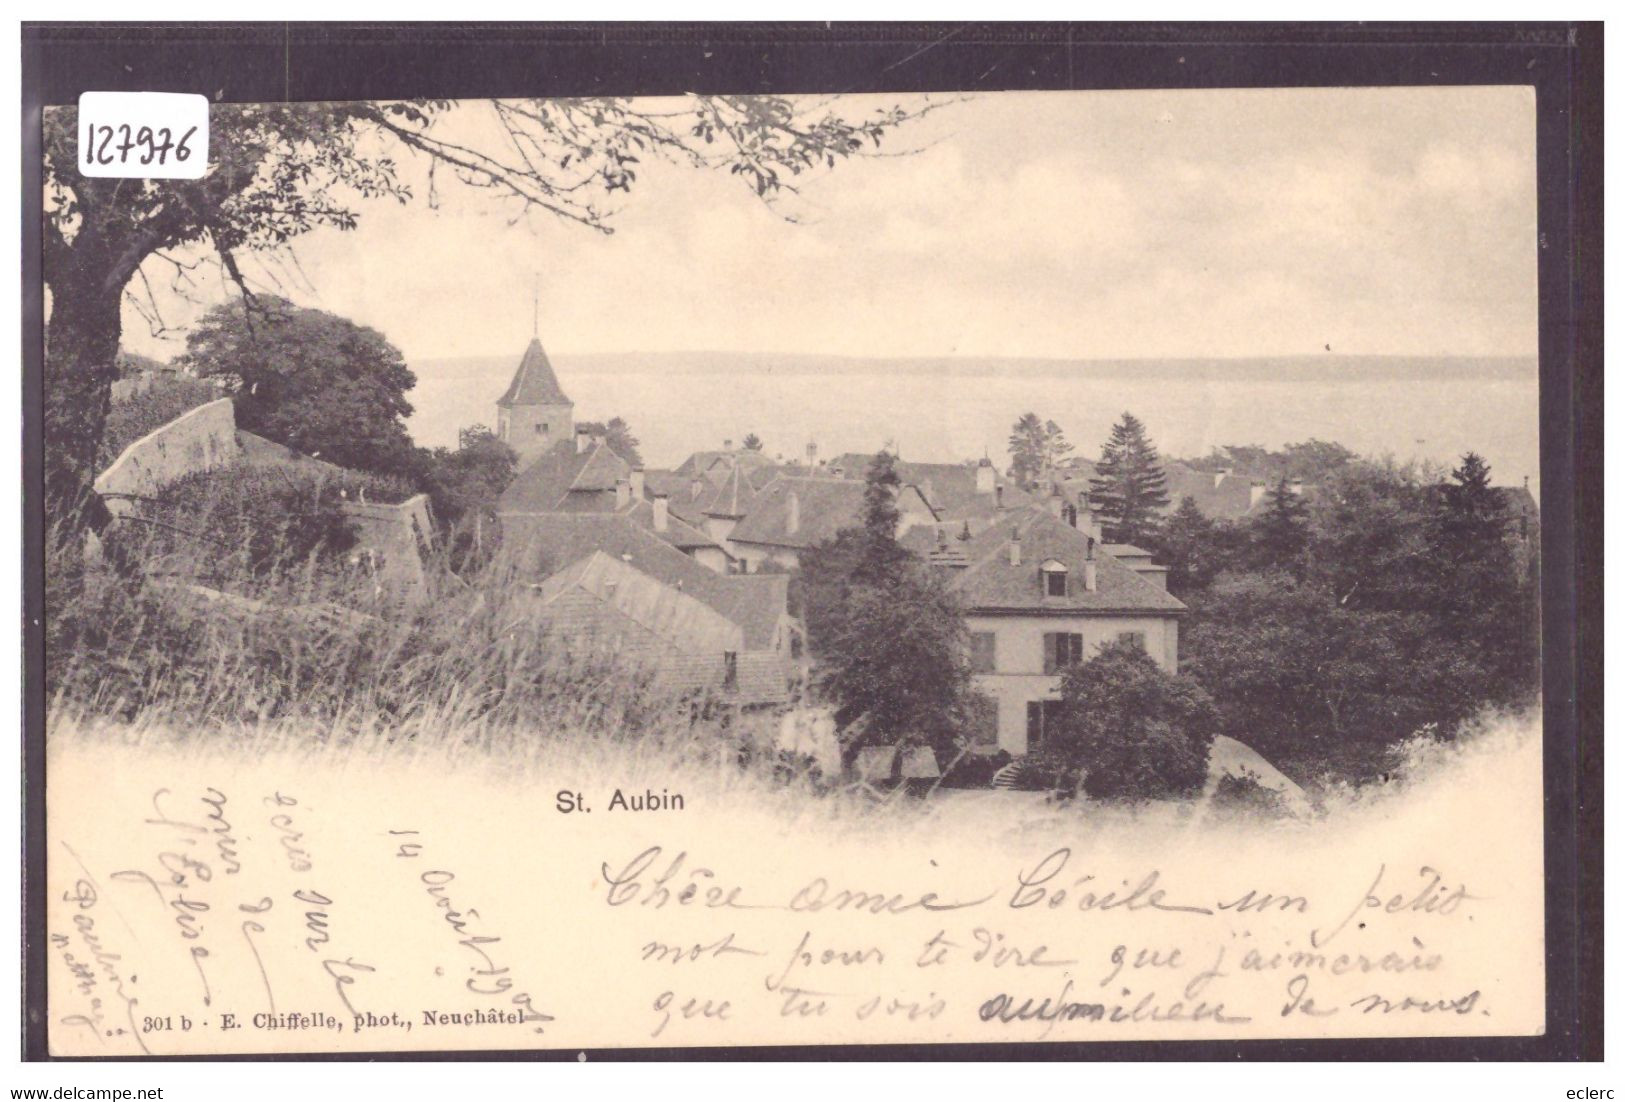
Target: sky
point(1081, 225)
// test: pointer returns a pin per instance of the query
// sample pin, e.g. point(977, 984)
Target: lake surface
point(945, 410)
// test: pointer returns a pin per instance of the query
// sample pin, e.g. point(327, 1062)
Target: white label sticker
point(144, 134)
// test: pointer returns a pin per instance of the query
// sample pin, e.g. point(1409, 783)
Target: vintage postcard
point(738, 570)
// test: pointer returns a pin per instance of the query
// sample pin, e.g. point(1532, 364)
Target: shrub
point(1137, 731)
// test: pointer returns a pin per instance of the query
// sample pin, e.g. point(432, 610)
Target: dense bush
point(1133, 729)
point(253, 520)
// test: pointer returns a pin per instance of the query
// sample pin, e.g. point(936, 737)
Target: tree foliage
point(752, 442)
point(1035, 447)
point(1403, 608)
point(1129, 489)
point(618, 435)
point(316, 382)
point(463, 487)
point(279, 170)
point(1310, 460)
point(1281, 533)
point(886, 633)
point(1195, 548)
point(1133, 730)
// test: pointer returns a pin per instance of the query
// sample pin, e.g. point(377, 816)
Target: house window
point(1042, 717)
point(982, 652)
point(1061, 649)
point(730, 669)
point(541, 428)
point(1136, 638)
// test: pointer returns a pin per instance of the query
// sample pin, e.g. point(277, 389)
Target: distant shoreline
point(1330, 367)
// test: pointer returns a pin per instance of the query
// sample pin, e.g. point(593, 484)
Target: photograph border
point(265, 62)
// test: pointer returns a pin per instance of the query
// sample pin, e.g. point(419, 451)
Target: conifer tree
point(1035, 446)
point(1281, 534)
point(1129, 489)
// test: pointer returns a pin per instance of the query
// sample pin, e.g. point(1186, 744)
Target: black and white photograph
point(853, 568)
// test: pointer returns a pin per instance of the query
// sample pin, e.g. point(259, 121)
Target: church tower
point(534, 414)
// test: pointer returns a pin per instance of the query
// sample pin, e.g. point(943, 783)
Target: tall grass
point(207, 643)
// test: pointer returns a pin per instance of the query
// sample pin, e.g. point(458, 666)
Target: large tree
point(1194, 547)
point(1281, 532)
point(1129, 488)
point(1134, 730)
point(279, 170)
point(463, 488)
point(314, 381)
point(1481, 590)
point(887, 634)
point(1035, 447)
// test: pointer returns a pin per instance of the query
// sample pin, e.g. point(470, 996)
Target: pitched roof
point(732, 497)
point(534, 383)
point(824, 506)
point(679, 491)
point(1230, 499)
point(545, 485)
point(701, 462)
point(542, 544)
point(596, 596)
point(991, 583)
point(681, 619)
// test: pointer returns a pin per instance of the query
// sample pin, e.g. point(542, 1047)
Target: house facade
point(1040, 595)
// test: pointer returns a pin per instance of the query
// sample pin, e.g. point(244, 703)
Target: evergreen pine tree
point(1026, 449)
point(1188, 546)
point(1129, 489)
point(1479, 588)
point(887, 634)
point(1281, 534)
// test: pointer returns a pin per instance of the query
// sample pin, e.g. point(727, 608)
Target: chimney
point(1255, 495)
point(637, 483)
point(1015, 547)
point(662, 509)
point(792, 523)
point(998, 497)
point(727, 445)
point(1220, 475)
point(984, 477)
point(812, 454)
point(623, 493)
point(1090, 581)
point(583, 438)
point(1055, 502)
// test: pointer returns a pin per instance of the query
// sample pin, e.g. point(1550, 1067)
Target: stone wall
point(198, 440)
point(394, 540)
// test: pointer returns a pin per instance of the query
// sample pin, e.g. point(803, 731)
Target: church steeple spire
point(534, 413)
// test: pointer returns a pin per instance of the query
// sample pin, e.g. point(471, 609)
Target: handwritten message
point(202, 907)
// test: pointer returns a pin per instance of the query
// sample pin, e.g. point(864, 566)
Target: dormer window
point(541, 428)
point(1053, 575)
